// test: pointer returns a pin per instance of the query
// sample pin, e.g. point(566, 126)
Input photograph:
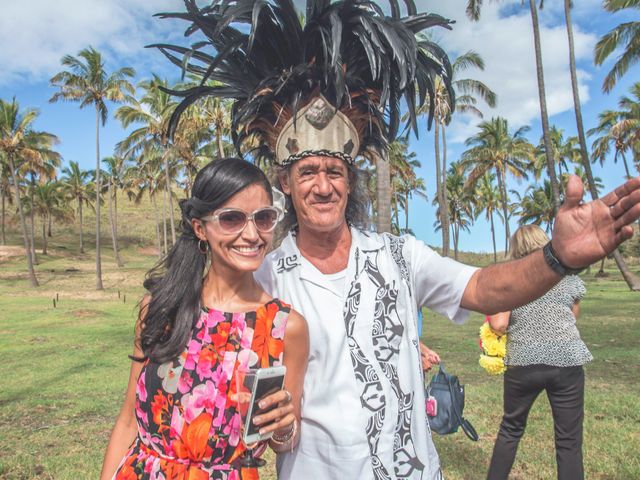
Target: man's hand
point(584, 233)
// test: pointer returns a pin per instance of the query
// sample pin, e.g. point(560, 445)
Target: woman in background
point(196, 327)
point(544, 353)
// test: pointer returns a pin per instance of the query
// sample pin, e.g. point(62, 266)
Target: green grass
point(64, 370)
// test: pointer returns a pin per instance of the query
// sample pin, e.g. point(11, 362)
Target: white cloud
point(506, 45)
point(35, 34)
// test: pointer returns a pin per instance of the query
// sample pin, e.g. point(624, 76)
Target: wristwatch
point(555, 264)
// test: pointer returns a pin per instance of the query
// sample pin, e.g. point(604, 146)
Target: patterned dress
point(188, 426)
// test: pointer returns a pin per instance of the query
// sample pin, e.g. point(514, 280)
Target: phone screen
point(263, 388)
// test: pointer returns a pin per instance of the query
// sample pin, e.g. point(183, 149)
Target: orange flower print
point(263, 343)
point(126, 471)
point(193, 443)
point(159, 406)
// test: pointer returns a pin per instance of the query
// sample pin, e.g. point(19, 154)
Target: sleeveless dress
point(188, 426)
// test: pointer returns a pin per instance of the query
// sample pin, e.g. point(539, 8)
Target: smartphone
point(267, 381)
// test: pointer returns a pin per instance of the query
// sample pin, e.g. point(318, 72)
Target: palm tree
point(536, 206)
point(152, 112)
point(625, 35)
point(19, 141)
point(494, 148)
point(38, 169)
point(77, 186)
point(584, 154)
point(466, 92)
point(460, 204)
point(473, 12)
point(86, 81)
point(48, 202)
point(487, 200)
point(116, 174)
point(619, 128)
point(404, 181)
point(5, 186)
point(146, 177)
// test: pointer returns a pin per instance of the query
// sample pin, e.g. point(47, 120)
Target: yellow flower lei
point(494, 348)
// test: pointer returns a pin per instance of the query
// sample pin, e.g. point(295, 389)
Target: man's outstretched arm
point(583, 233)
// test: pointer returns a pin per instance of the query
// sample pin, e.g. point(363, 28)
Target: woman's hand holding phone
point(275, 414)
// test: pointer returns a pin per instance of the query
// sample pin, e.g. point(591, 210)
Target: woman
point(544, 352)
point(196, 327)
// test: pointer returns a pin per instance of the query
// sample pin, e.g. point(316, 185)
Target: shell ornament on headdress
point(329, 84)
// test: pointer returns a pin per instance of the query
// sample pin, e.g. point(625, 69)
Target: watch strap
point(555, 264)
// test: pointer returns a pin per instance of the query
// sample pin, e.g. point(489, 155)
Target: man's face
point(319, 189)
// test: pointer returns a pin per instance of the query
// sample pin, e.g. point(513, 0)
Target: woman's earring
point(203, 249)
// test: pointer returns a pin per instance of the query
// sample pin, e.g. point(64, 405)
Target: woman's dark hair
point(175, 283)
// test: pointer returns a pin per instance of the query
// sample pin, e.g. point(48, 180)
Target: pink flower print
point(186, 381)
point(177, 422)
point(279, 325)
point(247, 338)
point(204, 336)
point(226, 369)
point(247, 359)
point(233, 429)
point(141, 415)
point(142, 386)
point(193, 348)
point(214, 318)
point(233, 475)
point(206, 359)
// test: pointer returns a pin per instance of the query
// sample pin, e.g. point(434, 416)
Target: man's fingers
point(626, 211)
point(628, 189)
point(573, 192)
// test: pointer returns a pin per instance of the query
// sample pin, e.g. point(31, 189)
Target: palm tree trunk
point(406, 211)
point(219, 142)
point(436, 137)
point(99, 285)
point(503, 194)
point(114, 237)
point(493, 238)
point(168, 189)
point(164, 220)
point(44, 235)
point(632, 280)
point(4, 236)
point(626, 166)
point(157, 222)
point(34, 258)
point(551, 171)
point(49, 226)
point(80, 214)
point(383, 190)
point(445, 213)
point(23, 223)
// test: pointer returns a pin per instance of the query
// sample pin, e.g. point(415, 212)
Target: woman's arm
point(125, 429)
point(499, 322)
point(296, 353)
point(575, 309)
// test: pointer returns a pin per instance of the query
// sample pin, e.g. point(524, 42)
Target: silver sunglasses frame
point(215, 217)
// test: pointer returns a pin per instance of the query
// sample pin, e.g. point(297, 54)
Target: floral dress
point(188, 426)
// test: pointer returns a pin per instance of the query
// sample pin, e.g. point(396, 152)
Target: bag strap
point(467, 428)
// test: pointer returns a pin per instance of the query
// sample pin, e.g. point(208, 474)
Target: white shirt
point(364, 387)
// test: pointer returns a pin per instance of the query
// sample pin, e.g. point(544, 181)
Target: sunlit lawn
point(64, 370)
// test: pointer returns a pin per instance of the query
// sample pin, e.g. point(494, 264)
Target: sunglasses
point(233, 220)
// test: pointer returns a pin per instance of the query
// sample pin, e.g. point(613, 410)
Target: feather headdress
point(346, 66)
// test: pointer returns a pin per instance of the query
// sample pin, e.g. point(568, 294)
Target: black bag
point(449, 396)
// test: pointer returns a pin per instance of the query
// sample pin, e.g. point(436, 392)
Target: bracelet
point(287, 437)
point(555, 264)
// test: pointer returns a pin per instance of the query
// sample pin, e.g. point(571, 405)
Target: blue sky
point(36, 34)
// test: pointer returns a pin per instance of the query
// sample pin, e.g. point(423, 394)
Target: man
point(363, 413)
point(316, 97)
